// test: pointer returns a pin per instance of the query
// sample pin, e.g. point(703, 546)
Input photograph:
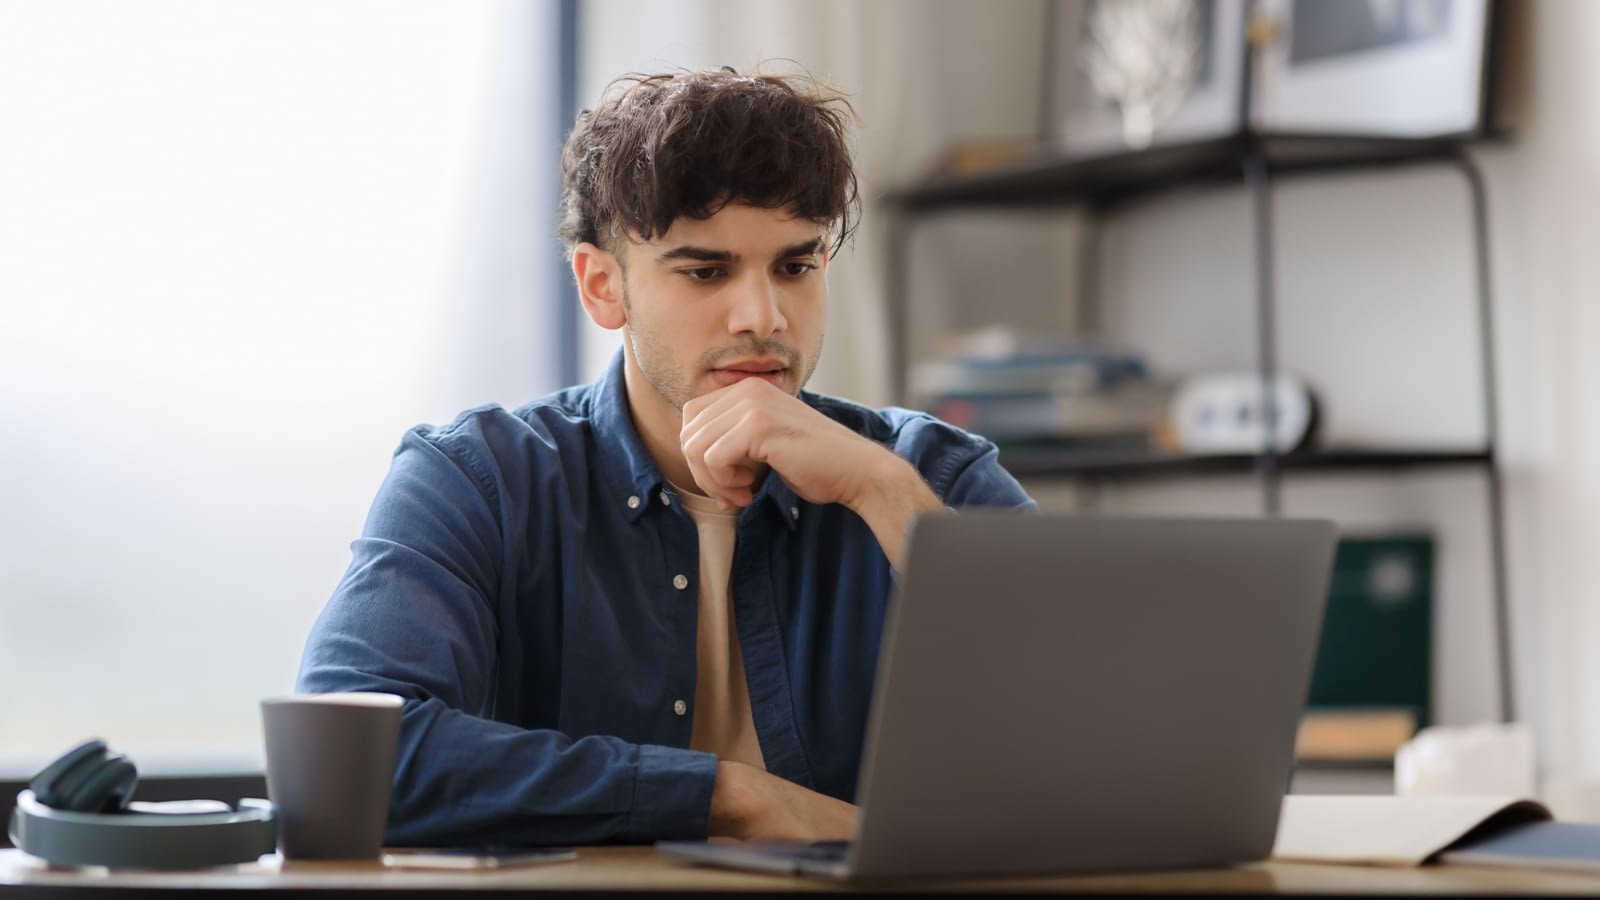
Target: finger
point(734, 483)
point(751, 391)
point(696, 406)
point(724, 475)
point(728, 463)
point(723, 466)
point(714, 423)
point(701, 415)
point(728, 485)
point(746, 391)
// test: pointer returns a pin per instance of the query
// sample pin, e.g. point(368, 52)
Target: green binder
point(1376, 649)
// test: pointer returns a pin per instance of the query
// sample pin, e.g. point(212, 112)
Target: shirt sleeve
point(982, 481)
point(963, 469)
point(415, 615)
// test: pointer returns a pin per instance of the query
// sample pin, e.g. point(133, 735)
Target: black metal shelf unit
point(1099, 186)
point(1043, 461)
point(1048, 180)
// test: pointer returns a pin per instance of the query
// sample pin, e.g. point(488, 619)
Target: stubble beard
point(677, 387)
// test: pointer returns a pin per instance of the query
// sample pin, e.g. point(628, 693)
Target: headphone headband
point(144, 840)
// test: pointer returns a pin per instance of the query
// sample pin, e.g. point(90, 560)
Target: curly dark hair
point(659, 147)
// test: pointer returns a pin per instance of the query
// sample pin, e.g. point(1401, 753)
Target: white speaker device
point(1225, 412)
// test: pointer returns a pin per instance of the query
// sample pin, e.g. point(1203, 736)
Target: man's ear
point(598, 274)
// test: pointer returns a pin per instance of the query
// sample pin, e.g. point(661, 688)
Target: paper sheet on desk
point(1386, 830)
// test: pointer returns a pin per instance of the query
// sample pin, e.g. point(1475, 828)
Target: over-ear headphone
point(77, 812)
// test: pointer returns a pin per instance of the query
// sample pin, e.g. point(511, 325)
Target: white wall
point(1546, 190)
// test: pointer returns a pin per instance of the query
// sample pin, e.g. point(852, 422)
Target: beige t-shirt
point(722, 720)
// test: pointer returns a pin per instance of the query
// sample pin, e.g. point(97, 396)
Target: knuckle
point(759, 417)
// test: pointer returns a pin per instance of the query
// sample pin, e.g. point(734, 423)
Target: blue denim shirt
point(527, 582)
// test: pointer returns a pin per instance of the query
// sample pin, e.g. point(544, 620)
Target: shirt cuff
point(671, 794)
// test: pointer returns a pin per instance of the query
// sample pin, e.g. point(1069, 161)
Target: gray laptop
point(1068, 694)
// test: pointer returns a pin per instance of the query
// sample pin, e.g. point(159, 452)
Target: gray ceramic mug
point(330, 768)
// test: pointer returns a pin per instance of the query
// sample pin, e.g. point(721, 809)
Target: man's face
point(714, 301)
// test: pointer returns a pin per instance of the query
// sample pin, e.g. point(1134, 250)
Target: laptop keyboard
point(823, 851)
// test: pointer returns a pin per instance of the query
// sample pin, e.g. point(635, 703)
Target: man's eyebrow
point(699, 254)
point(807, 248)
point(706, 254)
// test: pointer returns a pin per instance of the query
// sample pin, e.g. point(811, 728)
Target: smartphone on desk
point(473, 859)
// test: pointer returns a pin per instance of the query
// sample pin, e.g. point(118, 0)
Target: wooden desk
point(601, 871)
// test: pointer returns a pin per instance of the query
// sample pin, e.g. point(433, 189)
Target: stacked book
point(1016, 392)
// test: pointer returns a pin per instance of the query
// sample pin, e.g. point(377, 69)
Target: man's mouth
point(772, 371)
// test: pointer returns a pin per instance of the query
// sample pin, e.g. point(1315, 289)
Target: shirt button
point(666, 499)
point(794, 512)
point(680, 707)
point(680, 582)
point(633, 502)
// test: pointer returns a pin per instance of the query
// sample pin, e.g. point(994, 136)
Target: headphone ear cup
point(46, 784)
point(106, 787)
point(88, 778)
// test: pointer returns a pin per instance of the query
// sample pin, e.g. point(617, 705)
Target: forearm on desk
point(464, 780)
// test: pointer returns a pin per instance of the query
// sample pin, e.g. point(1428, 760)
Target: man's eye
point(797, 269)
point(703, 273)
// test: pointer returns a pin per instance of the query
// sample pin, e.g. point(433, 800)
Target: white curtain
point(243, 247)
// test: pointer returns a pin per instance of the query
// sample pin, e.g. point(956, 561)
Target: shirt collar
point(632, 476)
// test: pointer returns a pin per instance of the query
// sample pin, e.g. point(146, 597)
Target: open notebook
point(1060, 693)
point(1411, 831)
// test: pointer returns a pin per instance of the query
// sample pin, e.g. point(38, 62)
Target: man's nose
point(755, 307)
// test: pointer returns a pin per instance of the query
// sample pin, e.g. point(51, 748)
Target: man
point(650, 607)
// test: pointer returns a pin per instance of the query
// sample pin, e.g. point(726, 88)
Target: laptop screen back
point(1061, 693)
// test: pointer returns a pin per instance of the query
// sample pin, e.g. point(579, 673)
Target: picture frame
point(1082, 122)
point(1374, 68)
